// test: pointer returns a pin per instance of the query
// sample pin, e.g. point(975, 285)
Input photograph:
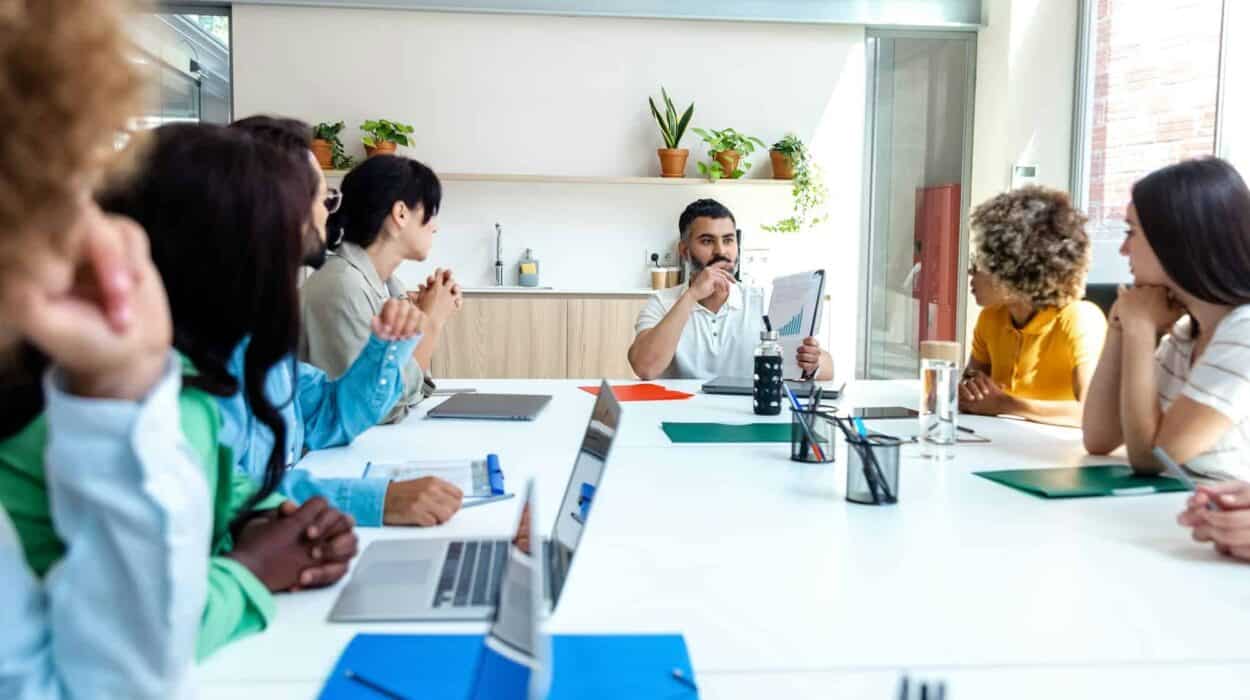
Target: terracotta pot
point(673, 161)
point(783, 167)
point(383, 148)
point(728, 162)
point(325, 155)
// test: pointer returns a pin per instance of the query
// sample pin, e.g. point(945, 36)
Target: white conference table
point(780, 585)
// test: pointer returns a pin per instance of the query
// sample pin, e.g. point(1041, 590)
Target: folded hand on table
point(295, 547)
point(1228, 526)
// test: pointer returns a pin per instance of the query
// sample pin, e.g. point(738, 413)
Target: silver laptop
point(491, 407)
point(741, 386)
point(431, 579)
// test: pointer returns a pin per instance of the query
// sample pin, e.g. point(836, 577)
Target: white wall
point(567, 96)
point(1026, 62)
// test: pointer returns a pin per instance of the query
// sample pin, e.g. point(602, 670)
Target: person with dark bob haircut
point(1036, 344)
point(1188, 246)
point(389, 215)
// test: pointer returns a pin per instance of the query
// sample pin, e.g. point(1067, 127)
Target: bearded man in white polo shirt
point(710, 326)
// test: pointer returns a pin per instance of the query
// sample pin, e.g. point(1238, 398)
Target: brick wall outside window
point(1155, 74)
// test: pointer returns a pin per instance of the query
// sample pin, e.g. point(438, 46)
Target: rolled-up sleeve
point(336, 411)
point(119, 614)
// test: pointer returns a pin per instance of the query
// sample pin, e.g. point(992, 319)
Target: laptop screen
point(592, 456)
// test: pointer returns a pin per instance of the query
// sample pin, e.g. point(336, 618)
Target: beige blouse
point(339, 302)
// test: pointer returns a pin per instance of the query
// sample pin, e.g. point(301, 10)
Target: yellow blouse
point(1038, 361)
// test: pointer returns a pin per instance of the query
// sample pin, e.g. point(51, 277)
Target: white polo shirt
point(720, 344)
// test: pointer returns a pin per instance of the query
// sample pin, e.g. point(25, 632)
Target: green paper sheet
point(725, 432)
point(1078, 482)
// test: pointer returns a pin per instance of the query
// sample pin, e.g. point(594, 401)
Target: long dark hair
point(224, 212)
point(1196, 216)
point(372, 188)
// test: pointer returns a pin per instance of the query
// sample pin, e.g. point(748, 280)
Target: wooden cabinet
point(600, 333)
point(537, 336)
point(505, 337)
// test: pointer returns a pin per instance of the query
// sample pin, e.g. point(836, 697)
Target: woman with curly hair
point(1036, 344)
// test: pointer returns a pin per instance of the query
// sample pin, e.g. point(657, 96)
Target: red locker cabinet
point(937, 250)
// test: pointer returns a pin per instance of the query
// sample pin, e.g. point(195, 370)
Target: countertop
point(558, 291)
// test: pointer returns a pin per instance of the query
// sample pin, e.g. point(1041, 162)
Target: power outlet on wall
point(666, 257)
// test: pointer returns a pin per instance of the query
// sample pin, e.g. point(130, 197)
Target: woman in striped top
point(1188, 246)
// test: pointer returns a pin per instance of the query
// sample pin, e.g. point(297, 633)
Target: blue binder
point(444, 667)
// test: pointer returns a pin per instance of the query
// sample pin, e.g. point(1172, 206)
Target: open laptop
point(491, 407)
point(438, 579)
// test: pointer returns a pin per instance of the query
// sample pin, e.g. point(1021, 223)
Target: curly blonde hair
point(67, 89)
point(1034, 243)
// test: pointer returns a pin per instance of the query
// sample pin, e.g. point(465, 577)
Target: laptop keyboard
point(471, 573)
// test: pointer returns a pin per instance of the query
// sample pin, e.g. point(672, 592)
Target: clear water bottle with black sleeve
point(766, 389)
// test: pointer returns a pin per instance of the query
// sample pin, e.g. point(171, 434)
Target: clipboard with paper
point(477, 478)
point(795, 309)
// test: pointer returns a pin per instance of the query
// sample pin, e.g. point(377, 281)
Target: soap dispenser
point(527, 271)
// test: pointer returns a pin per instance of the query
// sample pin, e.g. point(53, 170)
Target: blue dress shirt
point(118, 616)
point(319, 413)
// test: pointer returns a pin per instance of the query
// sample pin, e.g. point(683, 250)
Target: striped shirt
point(1220, 379)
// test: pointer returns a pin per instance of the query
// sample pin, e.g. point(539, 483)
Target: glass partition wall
point(919, 137)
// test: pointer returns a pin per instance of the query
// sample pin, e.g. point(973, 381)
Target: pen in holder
point(871, 468)
point(811, 435)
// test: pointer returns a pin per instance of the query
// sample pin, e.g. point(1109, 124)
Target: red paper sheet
point(641, 392)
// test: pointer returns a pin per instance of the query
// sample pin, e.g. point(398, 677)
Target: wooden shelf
point(599, 180)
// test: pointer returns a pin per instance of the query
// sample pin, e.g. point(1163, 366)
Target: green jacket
point(238, 603)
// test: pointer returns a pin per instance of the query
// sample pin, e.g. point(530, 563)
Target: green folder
point(1077, 482)
point(726, 432)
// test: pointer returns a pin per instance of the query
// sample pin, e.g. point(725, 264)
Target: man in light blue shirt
point(321, 413)
point(130, 500)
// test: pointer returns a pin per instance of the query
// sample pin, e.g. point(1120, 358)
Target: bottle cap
point(769, 335)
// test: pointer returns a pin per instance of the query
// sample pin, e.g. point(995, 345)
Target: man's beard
point(314, 250)
point(694, 267)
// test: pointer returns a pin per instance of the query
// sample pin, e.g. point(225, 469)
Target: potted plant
point(727, 149)
point(785, 154)
point(808, 190)
point(328, 147)
point(672, 158)
point(383, 136)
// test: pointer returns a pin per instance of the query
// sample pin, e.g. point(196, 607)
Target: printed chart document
point(794, 311)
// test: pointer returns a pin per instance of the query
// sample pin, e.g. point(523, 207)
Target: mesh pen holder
point(811, 436)
point(872, 469)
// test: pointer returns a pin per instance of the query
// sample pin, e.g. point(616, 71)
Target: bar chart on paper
point(793, 326)
point(796, 299)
